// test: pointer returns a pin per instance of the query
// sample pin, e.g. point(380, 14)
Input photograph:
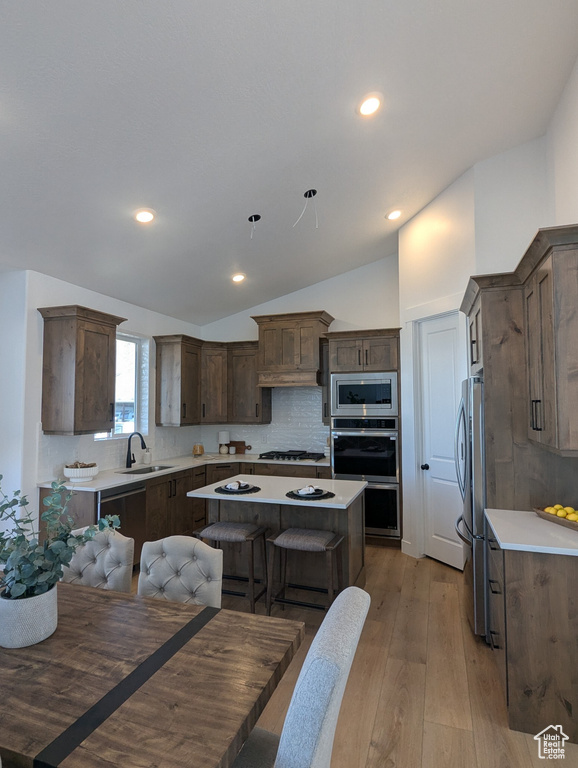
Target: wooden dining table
point(140, 683)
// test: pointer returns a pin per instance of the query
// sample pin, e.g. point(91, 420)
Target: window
point(131, 390)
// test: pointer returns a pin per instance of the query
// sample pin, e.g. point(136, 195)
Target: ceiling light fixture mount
point(308, 195)
point(144, 215)
point(370, 104)
point(254, 218)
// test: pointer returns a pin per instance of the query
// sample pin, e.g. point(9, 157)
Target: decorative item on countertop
point(232, 449)
point(147, 456)
point(566, 520)
point(224, 438)
point(31, 570)
point(310, 492)
point(240, 446)
point(79, 472)
point(198, 449)
point(237, 488)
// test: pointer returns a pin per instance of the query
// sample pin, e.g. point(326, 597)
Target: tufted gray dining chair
point(306, 740)
point(104, 562)
point(183, 569)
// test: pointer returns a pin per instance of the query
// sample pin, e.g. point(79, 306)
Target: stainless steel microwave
point(364, 394)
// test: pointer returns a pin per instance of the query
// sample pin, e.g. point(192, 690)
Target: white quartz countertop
point(273, 490)
point(116, 478)
point(524, 531)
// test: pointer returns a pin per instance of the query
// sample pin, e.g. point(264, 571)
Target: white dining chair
point(183, 569)
point(105, 562)
point(306, 740)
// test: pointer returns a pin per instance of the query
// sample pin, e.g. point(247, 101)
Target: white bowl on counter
point(80, 474)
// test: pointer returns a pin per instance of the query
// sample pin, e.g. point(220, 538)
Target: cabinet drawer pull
point(256, 410)
point(112, 413)
point(494, 541)
point(494, 644)
point(325, 410)
point(473, 352)
point(535, 426)
point(358, 357)
point(184, 410)
point(494, 590)
point(204, 410)
point(366, 358)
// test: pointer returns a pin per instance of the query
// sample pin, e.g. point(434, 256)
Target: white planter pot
point(29, 620)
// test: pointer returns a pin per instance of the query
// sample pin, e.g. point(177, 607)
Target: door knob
point(425, 466)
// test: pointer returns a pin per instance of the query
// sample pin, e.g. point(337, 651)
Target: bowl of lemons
point(557, 513)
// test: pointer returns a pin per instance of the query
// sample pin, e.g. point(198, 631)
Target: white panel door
point(441, 373)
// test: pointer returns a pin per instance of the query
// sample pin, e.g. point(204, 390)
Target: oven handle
point(369, 432)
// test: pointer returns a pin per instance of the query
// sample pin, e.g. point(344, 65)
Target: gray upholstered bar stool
point(240, 533)
point(303, 540)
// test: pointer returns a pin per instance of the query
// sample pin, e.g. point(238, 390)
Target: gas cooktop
point(291, 456)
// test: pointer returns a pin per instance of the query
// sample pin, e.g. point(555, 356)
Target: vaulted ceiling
point(210, 112)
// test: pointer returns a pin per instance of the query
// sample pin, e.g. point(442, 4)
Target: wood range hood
point(289, 348)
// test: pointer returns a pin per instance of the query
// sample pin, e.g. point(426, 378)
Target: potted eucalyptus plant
point(31, 568)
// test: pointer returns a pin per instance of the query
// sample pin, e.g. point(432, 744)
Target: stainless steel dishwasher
point(129, 503)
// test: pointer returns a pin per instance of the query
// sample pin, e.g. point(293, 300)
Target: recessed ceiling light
point(370, 104)
point(238, 278)
point(392, 215)
point(144, 215)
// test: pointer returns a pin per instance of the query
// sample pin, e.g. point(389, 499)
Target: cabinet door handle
point(366, 358)
point(184, 410)
point(256, 410)
point(493, 541)
point(112, 413)
point(174, 482)
point(473, 351)
point(170, 489)
point(358, 357)
point(495, 590)
point(203, 410)
point(493, 643)
point(325, 410)
point(535, 426)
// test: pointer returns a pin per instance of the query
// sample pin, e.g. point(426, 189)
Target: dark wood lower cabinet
point(534, 626)
point(169, 511)
point(81, 507)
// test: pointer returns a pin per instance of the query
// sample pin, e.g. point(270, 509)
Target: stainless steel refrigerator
point(470, 526)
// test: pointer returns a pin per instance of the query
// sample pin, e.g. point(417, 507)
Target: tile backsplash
point(296, 424)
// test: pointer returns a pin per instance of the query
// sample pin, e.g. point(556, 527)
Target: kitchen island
point(270, 507)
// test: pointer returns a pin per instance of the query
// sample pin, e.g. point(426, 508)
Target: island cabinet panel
point(248, 403)
point(214, 359)
point(82, 507)
point(372, 351)
point(78, 370)
point(178, 381)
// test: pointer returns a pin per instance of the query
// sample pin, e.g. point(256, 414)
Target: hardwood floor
point(423, 690)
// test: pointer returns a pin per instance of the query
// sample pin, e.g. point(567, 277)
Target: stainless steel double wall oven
point(366, 448)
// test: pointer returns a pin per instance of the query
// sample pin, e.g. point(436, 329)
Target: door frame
point(413, 541)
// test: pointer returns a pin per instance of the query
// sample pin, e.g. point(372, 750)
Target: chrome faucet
point(130, 459)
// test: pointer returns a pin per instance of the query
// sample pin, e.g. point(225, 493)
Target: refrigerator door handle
point(461, 419)
point(469, 542)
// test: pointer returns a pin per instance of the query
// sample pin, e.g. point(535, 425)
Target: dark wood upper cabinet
point(78, 370)
point(214, 359)
point(356, 351)
point(248, 403)
point(289, 348)
point(178, 381)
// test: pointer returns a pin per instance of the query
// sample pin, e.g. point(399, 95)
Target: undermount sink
point(144, 470)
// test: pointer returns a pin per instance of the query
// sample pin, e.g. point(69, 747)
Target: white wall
point(13, 347)
point(511, 204)
point(562, 141)
point(366, 297)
